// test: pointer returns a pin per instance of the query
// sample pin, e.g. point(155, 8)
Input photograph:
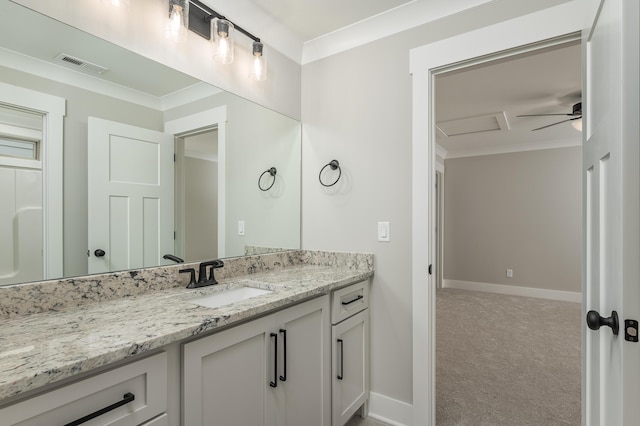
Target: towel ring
point(272, 171)
point(333, 164)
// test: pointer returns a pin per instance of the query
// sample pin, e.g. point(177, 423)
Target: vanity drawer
point(349, 301)
point(145, 380)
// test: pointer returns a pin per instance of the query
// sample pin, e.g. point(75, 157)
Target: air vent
point(81, 64)
point(477, 124)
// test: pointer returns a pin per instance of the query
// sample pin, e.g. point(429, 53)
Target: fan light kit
point(575, 117)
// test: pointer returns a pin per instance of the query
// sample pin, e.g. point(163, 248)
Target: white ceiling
point(309, 19)
point(545, 81)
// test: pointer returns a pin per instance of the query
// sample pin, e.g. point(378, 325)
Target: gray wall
point(356, 107)
point(520, 211)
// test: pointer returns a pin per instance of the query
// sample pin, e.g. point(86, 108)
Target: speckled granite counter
point(57, 329)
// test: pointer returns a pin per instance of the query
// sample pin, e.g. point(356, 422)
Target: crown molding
point(399, 19)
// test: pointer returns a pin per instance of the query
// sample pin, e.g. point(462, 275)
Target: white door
point(611, 184)
point(130, 212)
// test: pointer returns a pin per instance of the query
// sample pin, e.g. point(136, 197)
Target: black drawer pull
point(274, 383)
point(283, 378)
point(341, 375)
point(360, 297)
point(127, 398)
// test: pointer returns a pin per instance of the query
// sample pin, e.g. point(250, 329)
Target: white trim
point(389, 410)
point(539, 293)
point(488, 43)
point(212, 117)
point(53, 109)
point(510, 148)
point(188, 95)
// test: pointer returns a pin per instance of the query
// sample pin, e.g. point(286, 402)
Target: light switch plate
point(383, 231)
point(241, 227)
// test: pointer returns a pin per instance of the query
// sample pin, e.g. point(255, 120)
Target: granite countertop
point(42, 348)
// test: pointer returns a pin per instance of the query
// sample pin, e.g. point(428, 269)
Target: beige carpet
point(506, 360)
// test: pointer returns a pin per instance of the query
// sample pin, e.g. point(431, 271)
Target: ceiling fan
point(575, 114)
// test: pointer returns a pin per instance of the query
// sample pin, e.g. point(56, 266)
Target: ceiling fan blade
point(559, 122)
point(542, 115)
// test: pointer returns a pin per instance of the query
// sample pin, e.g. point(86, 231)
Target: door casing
point(562, 24)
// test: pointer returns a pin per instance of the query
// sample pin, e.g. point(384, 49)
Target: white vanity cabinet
point(350, 354)
point(132, 395)
point(269, 371)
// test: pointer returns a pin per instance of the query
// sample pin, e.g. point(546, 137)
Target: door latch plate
point(631, 330)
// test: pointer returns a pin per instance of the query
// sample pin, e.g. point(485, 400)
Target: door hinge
point(631, 330)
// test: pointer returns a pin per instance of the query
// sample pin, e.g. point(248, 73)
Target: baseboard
point(540, 293)
point(389, 410)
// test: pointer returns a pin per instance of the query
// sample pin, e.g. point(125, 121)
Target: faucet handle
point(192, 279)
point(215, 265)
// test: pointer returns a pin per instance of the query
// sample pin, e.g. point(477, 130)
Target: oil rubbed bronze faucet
point(203, 279)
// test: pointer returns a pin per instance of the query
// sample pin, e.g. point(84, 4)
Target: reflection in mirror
point(221, 144)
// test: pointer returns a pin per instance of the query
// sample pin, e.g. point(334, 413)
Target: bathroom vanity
point(143, 351)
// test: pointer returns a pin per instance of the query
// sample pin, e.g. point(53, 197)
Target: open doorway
point(512, 232)
point(526, 33)
point(197, 187)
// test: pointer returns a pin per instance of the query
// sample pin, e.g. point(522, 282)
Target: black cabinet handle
point(127, 398)
point(274, 383)
point(99, 253)
point(283, 378)
point(360, 297)
point(341, 375)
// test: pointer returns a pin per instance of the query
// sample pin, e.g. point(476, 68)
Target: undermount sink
point(227, 296)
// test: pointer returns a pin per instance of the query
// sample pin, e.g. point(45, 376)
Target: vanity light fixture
point(176, 25)
point(213, 26)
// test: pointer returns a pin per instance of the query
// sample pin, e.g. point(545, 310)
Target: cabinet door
point(350, 366)
point(225, 377)
point(303, 392)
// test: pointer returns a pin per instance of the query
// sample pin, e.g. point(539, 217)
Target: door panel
point(611, 184)
point(131, 191)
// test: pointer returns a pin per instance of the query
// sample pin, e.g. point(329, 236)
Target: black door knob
point(99, 253)
point(595, 321)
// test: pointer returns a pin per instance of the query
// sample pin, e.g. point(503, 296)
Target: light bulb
point(577, 124)
point(175, 28)
point(223, 41)
point(259, 63)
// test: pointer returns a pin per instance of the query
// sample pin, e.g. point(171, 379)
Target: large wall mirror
point(153, 161)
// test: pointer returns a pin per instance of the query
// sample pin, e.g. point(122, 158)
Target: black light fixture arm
point(213, 14)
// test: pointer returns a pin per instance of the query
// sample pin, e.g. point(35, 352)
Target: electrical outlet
point(509, 273)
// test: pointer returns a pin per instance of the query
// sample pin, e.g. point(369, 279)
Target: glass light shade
point(258, 70)
point(222, 41)
point(177, 23)
point(116, 3)
point(577, 124)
